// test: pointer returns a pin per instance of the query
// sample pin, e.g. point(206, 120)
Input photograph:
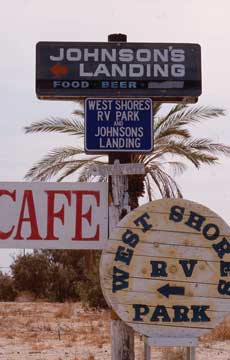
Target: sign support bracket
point(189, 343)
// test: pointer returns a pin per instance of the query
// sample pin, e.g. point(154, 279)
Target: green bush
point(63, 283)
point(7, 289)
point(90, 289)
point(31, 273)
point(60, 275)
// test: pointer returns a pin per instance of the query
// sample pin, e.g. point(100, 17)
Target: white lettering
point(82, 71)
point(178, 70)
point(120, 70)
point(60, 57)
point(161, 70)
point(108, 54)
point(136, 70)
point(143, 55)
point(94, 54)
point(160, 55)
point(177, 55)
point(73, 54)
point(126, 55)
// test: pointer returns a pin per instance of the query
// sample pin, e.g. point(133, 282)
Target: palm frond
point(175, 167)
point(182, 149)
point(165, 184)
point(48, 165)
point(73, 168)
point(185, 116)
point(85, 167)
point(58, 125)
point(173, 131)
point(46, 173)
point(148, 188)
point(156, 108)
point(174, 110)
point(78, 113)
point(208, 146)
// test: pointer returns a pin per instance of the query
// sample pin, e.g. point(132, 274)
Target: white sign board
point(53, 215)
point(166, 269)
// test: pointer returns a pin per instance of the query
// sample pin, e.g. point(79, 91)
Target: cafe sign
point(166, 269)
point(41, 215)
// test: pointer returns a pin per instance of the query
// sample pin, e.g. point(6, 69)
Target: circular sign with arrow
point(166, 269)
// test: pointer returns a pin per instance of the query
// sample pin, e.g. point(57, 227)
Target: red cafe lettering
point(28, 201)
point(47, 213)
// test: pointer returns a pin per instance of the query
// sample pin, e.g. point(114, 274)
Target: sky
point(26, 22)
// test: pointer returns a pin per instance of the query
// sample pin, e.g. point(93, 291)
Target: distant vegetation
point(55, 275)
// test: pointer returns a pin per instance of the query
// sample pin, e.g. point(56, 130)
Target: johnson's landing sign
point(69, 70)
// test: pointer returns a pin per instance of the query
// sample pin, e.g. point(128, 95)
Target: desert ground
point(54, 331)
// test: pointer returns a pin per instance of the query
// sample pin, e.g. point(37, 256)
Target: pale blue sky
point(25, 22)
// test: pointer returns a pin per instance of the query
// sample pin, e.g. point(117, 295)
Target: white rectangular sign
point(42, 215)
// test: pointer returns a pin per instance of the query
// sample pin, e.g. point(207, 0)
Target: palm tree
point(174, 147)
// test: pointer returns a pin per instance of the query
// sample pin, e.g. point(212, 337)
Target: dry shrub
point(25, 296)
point(220, 333)
point(69, 344)
point(91, 357)
point(65, 311)
point(173, 353)
point(97, 340)
point(40, 347)
point(31, 337)
point(8, 335)
point(46, 327)
point(82, 330)
point(74, 337)
point(28, 322)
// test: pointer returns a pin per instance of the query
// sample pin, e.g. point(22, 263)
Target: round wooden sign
point(166, 269)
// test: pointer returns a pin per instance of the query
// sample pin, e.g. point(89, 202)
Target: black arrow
point(167, 290)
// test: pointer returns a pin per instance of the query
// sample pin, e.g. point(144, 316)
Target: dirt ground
point(51, 331)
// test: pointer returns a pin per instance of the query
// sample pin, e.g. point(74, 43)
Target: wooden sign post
point(166, 271)
point(122, 336)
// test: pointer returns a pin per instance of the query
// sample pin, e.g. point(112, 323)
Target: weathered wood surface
point(123, 344)
point(166, 341)
point(122, 335)
point(117, 169)
point(173, 259)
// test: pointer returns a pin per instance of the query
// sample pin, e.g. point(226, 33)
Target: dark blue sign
point(164, 71)
point(122, 125)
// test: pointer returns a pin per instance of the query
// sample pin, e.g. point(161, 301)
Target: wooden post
point(122, 335)
point(122, 341)
point(147, 350)
point(190, 353)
